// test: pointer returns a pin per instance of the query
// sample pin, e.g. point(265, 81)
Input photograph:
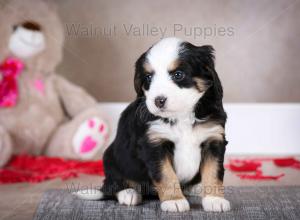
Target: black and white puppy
point(172, 136)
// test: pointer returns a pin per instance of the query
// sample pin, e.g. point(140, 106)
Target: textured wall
point(257, 43)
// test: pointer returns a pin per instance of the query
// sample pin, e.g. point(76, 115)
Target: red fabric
point(258, 175)
point(24, 168)
point(243, 165)
point(9, 71)
point(251, 168)
point(287, 162)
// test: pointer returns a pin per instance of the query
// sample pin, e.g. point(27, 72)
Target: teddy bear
point(40, 111)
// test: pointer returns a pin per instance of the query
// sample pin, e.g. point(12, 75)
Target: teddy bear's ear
point(19, 12)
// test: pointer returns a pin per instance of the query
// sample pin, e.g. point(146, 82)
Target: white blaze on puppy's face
point(26, 43)
point(179, 101)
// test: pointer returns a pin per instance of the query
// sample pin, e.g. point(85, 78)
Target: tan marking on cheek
point(213, 130)
point(168, 188)
point(148, 68)
point(173, 66)
point(209, 174)
point(155, 137)
point(201, 84)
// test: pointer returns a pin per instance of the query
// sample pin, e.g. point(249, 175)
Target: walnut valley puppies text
point(80, 30)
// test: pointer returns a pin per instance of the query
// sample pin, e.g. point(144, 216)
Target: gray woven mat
point(246, 202)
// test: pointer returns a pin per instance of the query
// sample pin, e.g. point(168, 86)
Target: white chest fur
point(187, 140)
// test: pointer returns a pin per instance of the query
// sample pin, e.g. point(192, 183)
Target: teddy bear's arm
point(74, 98)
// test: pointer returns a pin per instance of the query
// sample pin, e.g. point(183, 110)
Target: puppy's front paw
point(215, 204)
point(179, 205)
point(129, 197)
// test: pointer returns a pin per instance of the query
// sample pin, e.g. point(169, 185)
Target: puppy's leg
point(212, 173)
point(169, 190)
point(155, 155)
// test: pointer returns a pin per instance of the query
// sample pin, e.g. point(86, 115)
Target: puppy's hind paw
point(89, 194)
point(179, 205)
point(215, 204)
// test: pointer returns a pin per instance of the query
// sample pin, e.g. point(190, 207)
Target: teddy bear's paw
point(90, 137)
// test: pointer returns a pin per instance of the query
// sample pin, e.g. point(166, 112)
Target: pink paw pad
point(101, 128)
point(39, 86)
point(90, 137)
point(87, 144)
point(91, 123)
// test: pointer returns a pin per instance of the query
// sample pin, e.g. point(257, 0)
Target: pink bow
point(10, 69)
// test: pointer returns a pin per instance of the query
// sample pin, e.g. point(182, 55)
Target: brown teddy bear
point(40, 111)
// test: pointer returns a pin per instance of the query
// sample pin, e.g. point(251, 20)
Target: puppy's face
point(173, 75)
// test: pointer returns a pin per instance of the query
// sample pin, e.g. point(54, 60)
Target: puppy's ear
point(207, 57)
point(138, 77)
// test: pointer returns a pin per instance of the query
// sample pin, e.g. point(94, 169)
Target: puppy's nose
point(160, 101)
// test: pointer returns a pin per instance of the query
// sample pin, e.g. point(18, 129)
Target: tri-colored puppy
point(172, 135)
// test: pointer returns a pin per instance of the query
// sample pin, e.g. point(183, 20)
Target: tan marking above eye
point(31, 25)
point(173, 66)
point(148, 68)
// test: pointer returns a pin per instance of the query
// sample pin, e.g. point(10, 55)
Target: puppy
point(172, 136)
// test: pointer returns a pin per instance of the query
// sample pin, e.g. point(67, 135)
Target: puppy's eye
point(148, 78)
point(178, 75)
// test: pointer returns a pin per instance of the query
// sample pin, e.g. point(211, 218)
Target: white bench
point(252, 128)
